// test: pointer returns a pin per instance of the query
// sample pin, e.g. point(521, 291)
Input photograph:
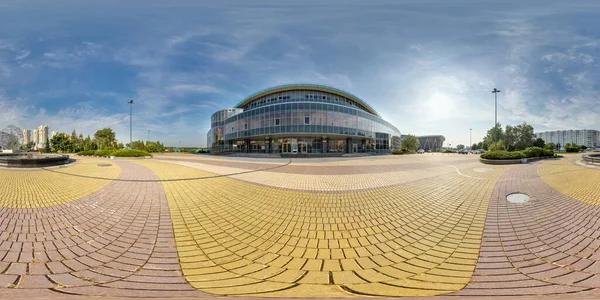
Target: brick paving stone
point(237, 238)
point(386, 226)
point(84, 240)
point(544, 240)
point(35, 282)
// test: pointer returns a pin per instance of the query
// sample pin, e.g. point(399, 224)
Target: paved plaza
point(181, 226)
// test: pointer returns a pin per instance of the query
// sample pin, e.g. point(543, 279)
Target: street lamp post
point(470, 138)
point(130, 122)
point(495, 91)
point(148, 136)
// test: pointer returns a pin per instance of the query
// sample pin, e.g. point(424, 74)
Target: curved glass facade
point(301, 120)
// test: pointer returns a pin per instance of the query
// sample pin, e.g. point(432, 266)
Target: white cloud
point(22, 55)
point(192, 88)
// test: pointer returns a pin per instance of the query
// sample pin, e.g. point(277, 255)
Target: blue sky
point(428, 67)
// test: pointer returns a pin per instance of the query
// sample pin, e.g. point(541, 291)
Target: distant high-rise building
point(586, 137)
point(40, 136)
point(26, 136)
point(53, 134)
point(36, 138)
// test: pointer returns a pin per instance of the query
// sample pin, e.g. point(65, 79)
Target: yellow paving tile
point(54, 186)
point(396, 240)
point(570, 179)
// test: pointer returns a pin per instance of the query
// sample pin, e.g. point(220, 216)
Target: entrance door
point(286, 148)
point(302, 147)
point(354, 148)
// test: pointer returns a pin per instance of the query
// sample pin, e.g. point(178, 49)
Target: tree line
point(104, 139)
point(517, 138)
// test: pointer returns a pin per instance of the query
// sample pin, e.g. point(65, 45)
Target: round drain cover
point(483, 170)
point(104, 165)
point(517, 198)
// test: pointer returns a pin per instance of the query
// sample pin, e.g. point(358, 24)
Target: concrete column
point(348, 145)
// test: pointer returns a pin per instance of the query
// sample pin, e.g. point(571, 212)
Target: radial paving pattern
point(38, 188)
point(116, 241)
point(199, 226)
point(547, 245)
point(419, 238)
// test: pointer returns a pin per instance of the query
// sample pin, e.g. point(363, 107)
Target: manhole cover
point(483, 170)
point(104, 165)
point(517, 198)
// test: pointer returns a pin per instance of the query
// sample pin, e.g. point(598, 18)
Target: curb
point(516, 161)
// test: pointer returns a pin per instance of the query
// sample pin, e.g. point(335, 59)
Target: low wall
point(591, 158)
point(24, 161)
point(515, 161)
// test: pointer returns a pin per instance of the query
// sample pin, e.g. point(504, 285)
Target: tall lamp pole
point(495, 91)
point(130, 122)
point(148, 136)
point(470, 138)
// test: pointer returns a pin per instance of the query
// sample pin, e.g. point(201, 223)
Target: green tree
point(494, 134)
point(410, 142)
point(474, 147)
point(510, 136)
point(138, 145)
point(550, 146)
point(61, 143)
point(460, 146)
point(105, 138)
point(47, 147)
point(498, 146)
point(539, 142)
point(524, 136)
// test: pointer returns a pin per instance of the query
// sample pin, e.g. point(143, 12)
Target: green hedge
point(400, 152)
point(116, 153)
point(527, 153)
point(503, 155)
point(88, 152)
point(103, 152)
point(572, 149)
point(130, 153)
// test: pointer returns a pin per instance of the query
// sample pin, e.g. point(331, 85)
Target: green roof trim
point(308, 86)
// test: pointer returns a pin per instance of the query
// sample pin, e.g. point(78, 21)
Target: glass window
point(306, 120)
point(277, 122)
point(245, 126)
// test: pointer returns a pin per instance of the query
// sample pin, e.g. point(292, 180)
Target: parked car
point(463, 151)
point(420, 151)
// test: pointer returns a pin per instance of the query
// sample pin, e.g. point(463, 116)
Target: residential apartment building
point(586, 137)
point(26, 136)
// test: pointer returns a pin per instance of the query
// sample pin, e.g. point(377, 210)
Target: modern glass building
point(301, 118)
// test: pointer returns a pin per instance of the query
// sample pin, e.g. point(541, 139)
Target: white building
point(26, 136)
point(36, 138)
point(586, 137)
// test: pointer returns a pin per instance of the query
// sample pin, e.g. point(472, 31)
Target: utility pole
point(495, 91)
point(130, 122)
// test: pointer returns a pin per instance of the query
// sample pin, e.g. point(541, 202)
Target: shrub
point(88, 152)
point(503, 155)
point(570, 149)
point(403, 151)
point(103, 152)
point(548, 152)
point(534, 152)
point(130, 153)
